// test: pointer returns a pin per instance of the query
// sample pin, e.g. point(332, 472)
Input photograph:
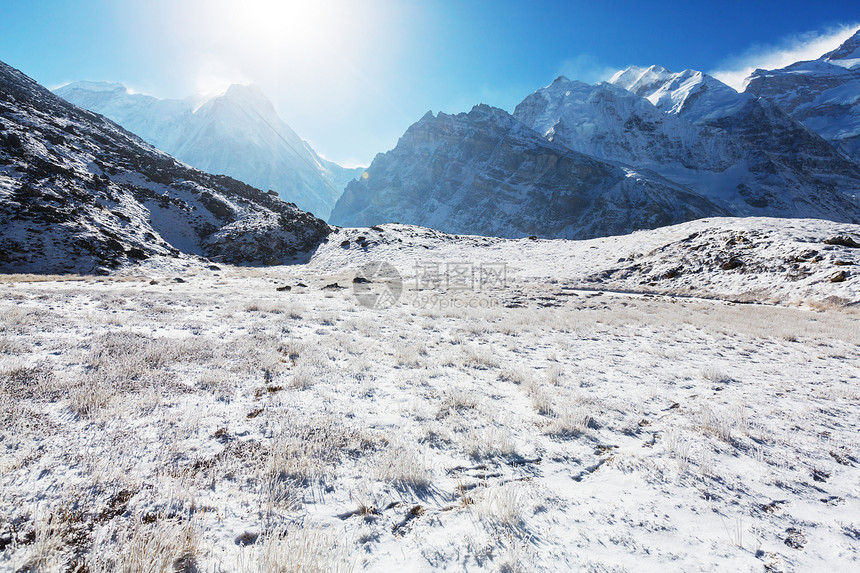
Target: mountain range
point(236, 133)
point(690, 145)
point(78, 193)
point(486, 173)
point(645, 149)
point(741, 152)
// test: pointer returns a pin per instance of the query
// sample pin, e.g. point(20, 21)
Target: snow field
point(219, 424)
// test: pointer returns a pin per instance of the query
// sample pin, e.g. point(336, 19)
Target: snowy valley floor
point(215, 423)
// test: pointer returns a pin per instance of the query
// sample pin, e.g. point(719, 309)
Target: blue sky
point(351, 76)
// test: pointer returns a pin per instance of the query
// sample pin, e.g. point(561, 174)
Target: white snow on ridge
point(636, 79)
point(847, 63)
point(847, 55)
point(691, 94)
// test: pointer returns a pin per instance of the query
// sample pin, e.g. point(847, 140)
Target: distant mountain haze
point(237, 133)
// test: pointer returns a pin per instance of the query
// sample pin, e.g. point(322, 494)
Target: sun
point(277, 21)
point(279, 25)
point(298, 42)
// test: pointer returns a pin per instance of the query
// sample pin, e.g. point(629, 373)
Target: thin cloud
point(214, 75)
point(800, 47)
point(585, 68)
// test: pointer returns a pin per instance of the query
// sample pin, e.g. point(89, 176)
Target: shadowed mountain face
point(237, 133)
point(823, 94)
point(484, 172)
point(81, 194)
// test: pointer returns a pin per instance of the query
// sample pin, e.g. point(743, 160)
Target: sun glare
point(278, 23)
point(301, 42)
point(298, 27)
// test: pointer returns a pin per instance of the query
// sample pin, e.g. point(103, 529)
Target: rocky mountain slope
point(824, 94)
point(745, 155)
point(486, 173)
point(237, 133)
point(80, 194)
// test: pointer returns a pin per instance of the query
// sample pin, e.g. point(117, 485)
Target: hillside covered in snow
point(681, 399)
point(80, 194)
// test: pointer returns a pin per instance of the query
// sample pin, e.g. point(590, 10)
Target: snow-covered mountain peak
point(572, 104)
point(641, 80)
point(567, 105)
point(246, 107)
point(823, 94)
point(250, 95)
point(677, 93)
point(847, 54)
point(691, 94)
point(561, 85)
